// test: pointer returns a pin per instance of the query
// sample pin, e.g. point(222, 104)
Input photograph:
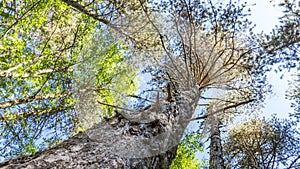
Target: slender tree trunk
point(216, 160)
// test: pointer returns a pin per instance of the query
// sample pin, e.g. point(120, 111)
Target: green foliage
point(41, 44)
point(185, 158)
point(30, 149)
point(104, 69)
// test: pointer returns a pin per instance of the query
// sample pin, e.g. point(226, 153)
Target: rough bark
point(119, 142)
point(216, 160)
point(81, 152)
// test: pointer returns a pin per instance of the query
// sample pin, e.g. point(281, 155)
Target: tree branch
point(222, 109)
point(10, 103)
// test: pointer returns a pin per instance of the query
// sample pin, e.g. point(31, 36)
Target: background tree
point(280, 49)
point(35, 39)
point(293, 94)
point(282, 44)
point(262, 144)
point(42, 45)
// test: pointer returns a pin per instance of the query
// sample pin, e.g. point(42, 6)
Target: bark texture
point(120, 143)
point(80, 152)
point(216, 154)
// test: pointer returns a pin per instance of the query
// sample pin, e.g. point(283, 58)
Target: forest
point(116, 84)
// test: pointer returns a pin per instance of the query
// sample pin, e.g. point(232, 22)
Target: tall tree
point(192, 46)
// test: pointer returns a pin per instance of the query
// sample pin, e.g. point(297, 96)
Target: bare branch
point(10, 103)
point(222, 109)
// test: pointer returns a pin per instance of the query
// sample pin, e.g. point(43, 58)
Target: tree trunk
point(81, 152)
point(216, 160)
point(121, 143)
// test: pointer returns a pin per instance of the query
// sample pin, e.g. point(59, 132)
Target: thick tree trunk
point(81, 152)
point(216, 160)
point(121, 143)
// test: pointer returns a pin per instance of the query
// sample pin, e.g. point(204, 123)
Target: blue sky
point(265, 16)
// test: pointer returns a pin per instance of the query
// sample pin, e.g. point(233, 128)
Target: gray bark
point(216, 160)
point(81, 152)
point(121, 146)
